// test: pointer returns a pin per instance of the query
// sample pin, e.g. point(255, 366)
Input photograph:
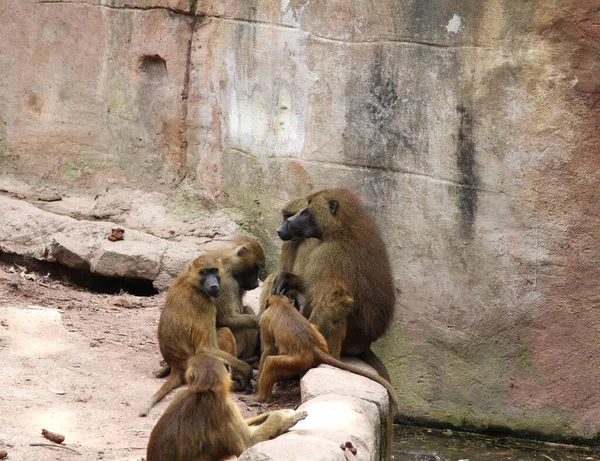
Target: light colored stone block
point(325, 380)
point(332, 420)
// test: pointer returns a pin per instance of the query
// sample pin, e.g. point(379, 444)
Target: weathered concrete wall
point(92, 95)
point(470, 129)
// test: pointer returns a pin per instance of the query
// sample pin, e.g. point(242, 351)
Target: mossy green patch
point(90, 160)
point(69, 171)
point(525, 366)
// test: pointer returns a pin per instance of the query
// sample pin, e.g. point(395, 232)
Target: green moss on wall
point(69, 171)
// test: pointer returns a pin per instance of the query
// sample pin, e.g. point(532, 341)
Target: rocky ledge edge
point(342, 407)
point(31, 232)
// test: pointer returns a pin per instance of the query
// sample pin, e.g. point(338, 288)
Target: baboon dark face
point(210, 281)
point(248, 280)
point(303, 224)
point(246, 263)
point(284, 231)
point(289, 209)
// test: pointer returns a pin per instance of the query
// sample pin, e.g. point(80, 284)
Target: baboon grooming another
point(351, 261)
point(204, 424)
point(242, 262)
point(187, 324)
point(292, 346)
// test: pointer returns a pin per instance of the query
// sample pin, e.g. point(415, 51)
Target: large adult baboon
point(350, 260)
point(295, 250)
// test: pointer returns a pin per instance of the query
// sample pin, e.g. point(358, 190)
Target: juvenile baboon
point(293, 249)
point(242, 261)
point(204, 424)
point(187, 324)
point(350, 260)
point(292, 346)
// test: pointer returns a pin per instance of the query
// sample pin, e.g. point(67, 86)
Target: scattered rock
point(52, 436)
point(116, 234)
point(49, 198)
point(69, 252)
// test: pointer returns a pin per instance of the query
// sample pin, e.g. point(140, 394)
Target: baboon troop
point(333, 294)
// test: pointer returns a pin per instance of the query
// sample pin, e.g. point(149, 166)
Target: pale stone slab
point(332, 420)
point(129, 258)
point(182, 6)
point(325, 380)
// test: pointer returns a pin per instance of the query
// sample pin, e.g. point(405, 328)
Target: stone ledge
point(342, 407)
point(31, 232)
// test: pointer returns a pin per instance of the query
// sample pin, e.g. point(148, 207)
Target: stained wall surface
point(470, 129)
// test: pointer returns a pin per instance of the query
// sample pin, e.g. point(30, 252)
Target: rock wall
point(470, 129)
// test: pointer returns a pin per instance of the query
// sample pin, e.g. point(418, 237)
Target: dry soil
point(80, 364)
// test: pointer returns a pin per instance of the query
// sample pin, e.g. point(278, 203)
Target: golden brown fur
point(242, 261)
point(226, 341)
point(204, 424)
point(352, 260)
point(292, 346)
point(187, 326)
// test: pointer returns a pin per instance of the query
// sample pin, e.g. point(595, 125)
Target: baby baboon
point(204, 424)
point(292, 346)
point(351, 259)
point(187, 324)
point(242, 262)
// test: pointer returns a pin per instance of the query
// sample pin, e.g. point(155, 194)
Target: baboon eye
point(227, 366)
point(333, 206)
point(203, 272)
point(192, 377)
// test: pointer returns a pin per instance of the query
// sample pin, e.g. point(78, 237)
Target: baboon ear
point(242, 251)
point(333, 206)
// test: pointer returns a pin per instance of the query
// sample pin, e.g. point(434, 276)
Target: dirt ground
point(80, 364)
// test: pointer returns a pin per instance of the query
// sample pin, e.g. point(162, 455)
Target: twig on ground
point(53, 445)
